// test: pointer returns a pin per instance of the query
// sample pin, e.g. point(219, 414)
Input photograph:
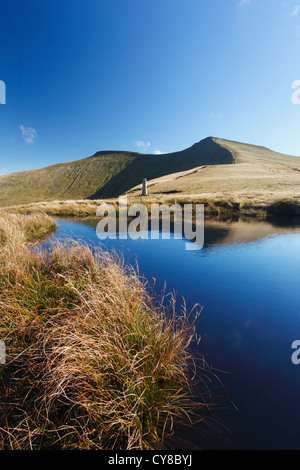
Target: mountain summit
point(112, 173)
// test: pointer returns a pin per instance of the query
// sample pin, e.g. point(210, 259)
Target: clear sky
point(145, 75)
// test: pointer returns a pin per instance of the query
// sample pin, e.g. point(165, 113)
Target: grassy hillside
point(72, 180)
point(242, 181)
point(246, 153)
point(105, 174)
point(212, 168)
point(205, 152)
point(257, 176)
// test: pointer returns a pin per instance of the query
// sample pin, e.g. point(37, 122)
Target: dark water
point(247, 278)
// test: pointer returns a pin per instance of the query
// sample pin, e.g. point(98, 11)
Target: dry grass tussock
point(16, 229)
point(72, 208)
point(93, 362)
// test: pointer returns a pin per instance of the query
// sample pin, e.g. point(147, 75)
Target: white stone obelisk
point(144, 190)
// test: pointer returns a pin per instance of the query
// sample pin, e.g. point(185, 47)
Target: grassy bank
point(93, 361)
point(215, 207)
point(16, 229)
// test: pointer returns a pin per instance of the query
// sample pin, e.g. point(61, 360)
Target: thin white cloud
point(28, 134)
point(244, 3)
point(295, 11)
point(3, 171)
point(144, 146)
point(215, 116)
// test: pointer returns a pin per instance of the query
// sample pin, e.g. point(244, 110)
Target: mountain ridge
point(110, 173)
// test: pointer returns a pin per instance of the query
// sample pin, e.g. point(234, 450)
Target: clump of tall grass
point(93, 362)
point(17, 228)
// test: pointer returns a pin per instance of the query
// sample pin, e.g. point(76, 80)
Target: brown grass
point(19, 229)
point(93, 361)
point(256, 203)
point(252, 186)
point(77, 208)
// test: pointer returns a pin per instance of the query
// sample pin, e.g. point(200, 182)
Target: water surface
point(246, 277)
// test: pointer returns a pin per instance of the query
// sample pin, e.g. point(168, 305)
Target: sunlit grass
point(93, 360)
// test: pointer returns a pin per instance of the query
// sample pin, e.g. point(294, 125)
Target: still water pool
point(247, 278)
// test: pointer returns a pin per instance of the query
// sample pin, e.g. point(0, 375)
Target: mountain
point(256, 177)
point(111, 173)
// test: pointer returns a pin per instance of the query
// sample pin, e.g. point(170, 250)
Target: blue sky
point(145, 75)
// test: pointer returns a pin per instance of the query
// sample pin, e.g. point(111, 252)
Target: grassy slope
point(211, 170)
point(247, 153)
point(106, 174)
point(72, 180)
point(257, 175)
point(205, 152)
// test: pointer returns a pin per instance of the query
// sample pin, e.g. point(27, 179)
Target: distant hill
point(111, 173)
point(257, 176)
point(247, 153)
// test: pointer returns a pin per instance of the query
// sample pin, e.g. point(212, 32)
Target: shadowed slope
point(258, 176)
point(105, 174)
point(112, 173)
point(205, 152)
